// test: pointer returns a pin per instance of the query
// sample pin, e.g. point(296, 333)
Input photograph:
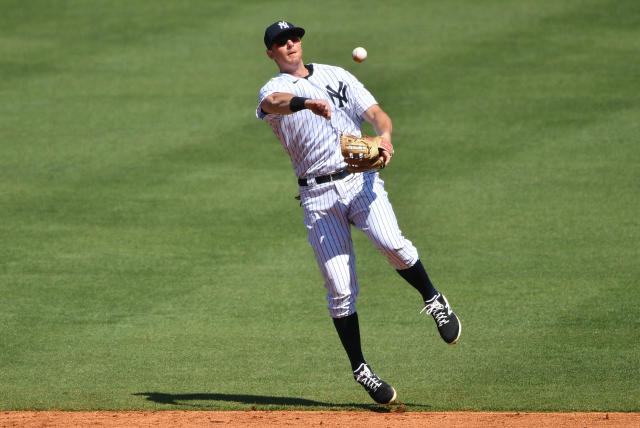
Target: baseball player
point(309, 107)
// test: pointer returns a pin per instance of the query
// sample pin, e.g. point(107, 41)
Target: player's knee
point(401, 258)
point(342, 305)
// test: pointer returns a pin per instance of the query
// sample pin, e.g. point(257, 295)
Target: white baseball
point(359, 54)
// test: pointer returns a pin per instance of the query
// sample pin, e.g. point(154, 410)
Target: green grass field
point(152, 255)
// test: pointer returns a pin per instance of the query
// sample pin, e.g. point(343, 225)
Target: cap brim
point(298, 31)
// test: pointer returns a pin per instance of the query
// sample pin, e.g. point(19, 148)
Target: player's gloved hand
point(386, 156)
point(365, 153)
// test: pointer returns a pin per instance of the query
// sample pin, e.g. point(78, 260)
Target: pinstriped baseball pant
point(329, 211)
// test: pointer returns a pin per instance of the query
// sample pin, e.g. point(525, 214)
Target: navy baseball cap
point(278, 29)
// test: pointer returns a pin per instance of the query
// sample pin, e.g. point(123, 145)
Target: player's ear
point(270, 53)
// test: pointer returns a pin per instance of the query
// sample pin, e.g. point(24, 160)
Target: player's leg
point(372, 213)
point(417, 276)
point(329, 234)
point(348, 329)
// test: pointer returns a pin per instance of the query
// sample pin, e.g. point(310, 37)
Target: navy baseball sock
point(349, 332)
point(417, 276)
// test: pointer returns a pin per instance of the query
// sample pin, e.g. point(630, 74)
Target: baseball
point(359, 54)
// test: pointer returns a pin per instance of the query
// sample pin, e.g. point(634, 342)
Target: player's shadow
point(253, 400)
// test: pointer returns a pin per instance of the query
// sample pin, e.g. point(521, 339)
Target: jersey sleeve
point(272, 86)
point(264, 93)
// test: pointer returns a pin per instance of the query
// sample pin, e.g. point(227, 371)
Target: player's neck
point(299, 70)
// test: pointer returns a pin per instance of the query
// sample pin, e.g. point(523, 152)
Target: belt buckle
point(332, 176)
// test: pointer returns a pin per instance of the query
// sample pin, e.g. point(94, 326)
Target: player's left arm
point(383, 126)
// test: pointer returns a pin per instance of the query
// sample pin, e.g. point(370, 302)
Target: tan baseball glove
point(363, 153)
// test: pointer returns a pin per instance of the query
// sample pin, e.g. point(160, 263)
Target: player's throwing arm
point(282, 103)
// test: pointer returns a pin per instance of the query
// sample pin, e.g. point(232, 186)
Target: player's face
point(286, 52)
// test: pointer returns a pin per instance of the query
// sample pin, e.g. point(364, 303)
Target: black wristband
point(297, 104)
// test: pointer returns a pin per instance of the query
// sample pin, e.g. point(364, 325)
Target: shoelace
point(367, 379)
point(437, 311)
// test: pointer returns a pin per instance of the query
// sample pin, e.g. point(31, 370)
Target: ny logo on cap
point(283, 24)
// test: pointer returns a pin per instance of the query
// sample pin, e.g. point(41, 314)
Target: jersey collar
point(291, 77)
point(309, 68)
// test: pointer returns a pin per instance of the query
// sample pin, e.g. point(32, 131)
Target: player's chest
point(336, 91)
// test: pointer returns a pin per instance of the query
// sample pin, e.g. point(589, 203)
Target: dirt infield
point(315, 419)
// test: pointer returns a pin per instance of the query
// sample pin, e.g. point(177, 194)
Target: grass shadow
point(255, 400)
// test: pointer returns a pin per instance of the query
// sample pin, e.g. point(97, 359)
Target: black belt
point(325, 178)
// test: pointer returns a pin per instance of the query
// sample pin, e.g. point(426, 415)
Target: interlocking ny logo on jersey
point(340, 95)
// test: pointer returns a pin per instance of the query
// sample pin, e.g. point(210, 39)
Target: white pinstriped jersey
point(311, 141)
point(313, 144)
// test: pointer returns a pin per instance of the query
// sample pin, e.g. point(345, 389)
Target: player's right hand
point(319, 107)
